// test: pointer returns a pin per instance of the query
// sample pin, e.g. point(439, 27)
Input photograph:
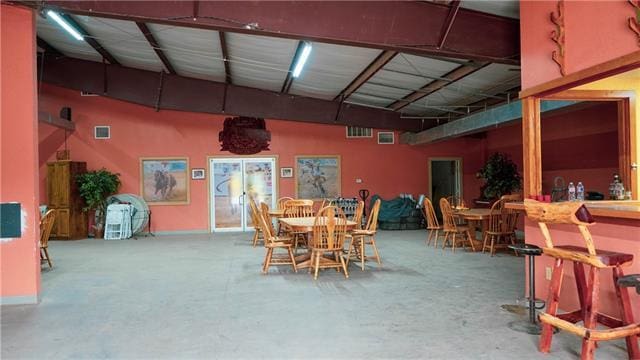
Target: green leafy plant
point(95, 187)
point(501, 177)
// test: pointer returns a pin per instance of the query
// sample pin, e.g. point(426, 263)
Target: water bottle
point(580, 191)
point(572, 192)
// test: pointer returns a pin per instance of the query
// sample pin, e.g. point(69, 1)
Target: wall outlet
point(547, 272)
point(358, 181)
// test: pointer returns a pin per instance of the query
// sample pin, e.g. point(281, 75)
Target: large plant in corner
point(500, 175)
point(95, 187)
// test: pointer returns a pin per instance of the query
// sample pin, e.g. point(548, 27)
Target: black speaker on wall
point(65, 113)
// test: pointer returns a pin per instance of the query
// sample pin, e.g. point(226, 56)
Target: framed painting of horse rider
point(317, 176)
point(165, 181)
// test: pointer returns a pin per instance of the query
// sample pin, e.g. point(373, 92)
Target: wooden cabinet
point(63, 197)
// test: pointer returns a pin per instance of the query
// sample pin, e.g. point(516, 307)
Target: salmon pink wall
point(19, 258)
point(138, 131)
point(596, 31)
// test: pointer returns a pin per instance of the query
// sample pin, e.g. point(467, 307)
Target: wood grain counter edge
point(628, 209)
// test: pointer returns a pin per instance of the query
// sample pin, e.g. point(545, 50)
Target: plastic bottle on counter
point(580, 191)
point(571, 191)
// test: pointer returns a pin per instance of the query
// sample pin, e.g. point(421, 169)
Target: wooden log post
point(531, 146)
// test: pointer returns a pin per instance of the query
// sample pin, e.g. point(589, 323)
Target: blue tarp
point(394, 209)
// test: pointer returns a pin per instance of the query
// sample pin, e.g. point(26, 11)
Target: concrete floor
point(204, 297)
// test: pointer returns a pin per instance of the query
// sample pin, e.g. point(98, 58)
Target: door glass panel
point(227, 193)
point(258, 175)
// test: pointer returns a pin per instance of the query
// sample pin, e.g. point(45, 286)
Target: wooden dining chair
point(433, 225)
point(298, 208)
point(273, 242)
point(282, 201)
point(329, 232)
point(357, 215)
point(366, 236)
point(255, 212)
point(46, 225)
point(511, 197)
point(264, 210)
point(500, 230)
point(452, 230)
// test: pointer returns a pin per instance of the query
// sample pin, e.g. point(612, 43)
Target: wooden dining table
point(305, 224)
point(480, 215)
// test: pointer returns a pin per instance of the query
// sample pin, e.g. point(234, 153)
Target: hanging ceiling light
point(302, 59)
point(65, 25)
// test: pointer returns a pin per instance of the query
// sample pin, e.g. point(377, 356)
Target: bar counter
point(624, 209)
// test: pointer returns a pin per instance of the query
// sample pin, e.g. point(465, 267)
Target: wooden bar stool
point(574, 213)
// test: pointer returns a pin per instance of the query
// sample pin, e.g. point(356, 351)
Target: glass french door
point(232, 181)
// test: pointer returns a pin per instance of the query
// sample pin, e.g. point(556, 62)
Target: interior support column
point(531, 146)
point(19, 256)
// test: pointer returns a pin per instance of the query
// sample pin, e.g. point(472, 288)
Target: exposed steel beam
point(367, 73)
point(188, 94)
point(289, 79)
point(156, 47)
point(225, 57)
point(403, 26)
point(90, 40)
point(448, 23)
point(452, 76)
point(48, 48)
point(47, 118)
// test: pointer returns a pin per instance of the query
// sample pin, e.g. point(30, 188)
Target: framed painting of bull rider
point(317, 176)
point(165, 181)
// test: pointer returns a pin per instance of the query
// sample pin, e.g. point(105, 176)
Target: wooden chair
point(298, 208)
point(255, 212)
point(573, 213)
point(264, 210)
point(357, 215)
point(280, 203)
point(329, 231)
point(433, 226)
point(452, 230)
point(501, 226)
point(456, 201)
point(46, 225)
point(361, 238)
point(272, 242)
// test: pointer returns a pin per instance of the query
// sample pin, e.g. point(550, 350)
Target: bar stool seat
point(630, 281)
point(526, 249)
point(607, 258)
point(531, 326)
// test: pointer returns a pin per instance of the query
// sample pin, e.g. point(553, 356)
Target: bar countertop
point(625, 209)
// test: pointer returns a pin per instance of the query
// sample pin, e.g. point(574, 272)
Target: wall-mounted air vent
point(359, 132)
point(102, 132)
point(386, 137)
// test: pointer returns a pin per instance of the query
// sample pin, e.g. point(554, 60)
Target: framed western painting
point(165, 181)
point(317, 176)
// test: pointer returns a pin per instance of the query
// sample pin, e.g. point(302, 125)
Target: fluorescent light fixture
point(65, 25)
point(302, 59)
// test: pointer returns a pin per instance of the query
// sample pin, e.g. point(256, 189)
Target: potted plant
point(95, 187)
point(500, 175)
